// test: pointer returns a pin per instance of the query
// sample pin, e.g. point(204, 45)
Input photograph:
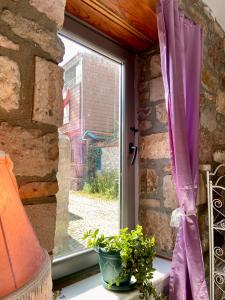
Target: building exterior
point(91, 109)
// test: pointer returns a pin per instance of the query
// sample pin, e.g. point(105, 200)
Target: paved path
point(87, 214)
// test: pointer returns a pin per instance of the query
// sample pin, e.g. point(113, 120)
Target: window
point(96, 179)
point(70, 73)
point(78, 73)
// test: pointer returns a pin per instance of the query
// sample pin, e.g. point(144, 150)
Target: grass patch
point(92, 196)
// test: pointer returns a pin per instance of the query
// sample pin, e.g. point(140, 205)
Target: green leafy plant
point(137, 252)
point(105, 184)
point(93, 156)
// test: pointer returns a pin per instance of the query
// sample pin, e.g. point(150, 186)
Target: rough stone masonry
point(31, 104)
point(156, 189)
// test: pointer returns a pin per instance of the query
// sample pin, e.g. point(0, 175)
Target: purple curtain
point(181, 56)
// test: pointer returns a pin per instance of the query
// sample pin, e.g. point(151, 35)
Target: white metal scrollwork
point(216, 210)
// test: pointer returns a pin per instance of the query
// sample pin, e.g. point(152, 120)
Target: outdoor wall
point(157, 194)
point(30, 104)
point(99, 102)
point(110, 158)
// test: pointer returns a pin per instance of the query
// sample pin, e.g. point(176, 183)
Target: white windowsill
point(91, 288)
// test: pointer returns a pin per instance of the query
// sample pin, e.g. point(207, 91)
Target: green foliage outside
point(102, 184)
point(106, 184)
point(137, 252)
point(93, 157)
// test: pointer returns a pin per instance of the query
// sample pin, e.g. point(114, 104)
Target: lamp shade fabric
point(21, 256)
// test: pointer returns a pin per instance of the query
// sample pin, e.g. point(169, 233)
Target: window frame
point(91, 38)
point(67, 110)
point(79, 65)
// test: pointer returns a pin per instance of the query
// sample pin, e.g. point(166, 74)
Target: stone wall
point(30, 104)
point(110, 159)
point(157, 194)
point(64, 182)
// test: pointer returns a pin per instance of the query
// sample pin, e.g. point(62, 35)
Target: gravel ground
point(86, 213)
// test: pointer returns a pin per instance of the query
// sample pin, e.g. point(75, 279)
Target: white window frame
point(79, 72)
point(95, 40)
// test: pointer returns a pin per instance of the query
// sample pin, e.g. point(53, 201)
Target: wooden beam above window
point(132, 23)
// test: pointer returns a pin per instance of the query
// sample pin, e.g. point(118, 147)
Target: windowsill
point(91, 287)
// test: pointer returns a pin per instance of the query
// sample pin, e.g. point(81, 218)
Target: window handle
point(135, 130)
point(133, 150)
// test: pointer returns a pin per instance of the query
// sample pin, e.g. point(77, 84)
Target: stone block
point(7, 43)
point(155, 66)
point(168, 168)
point(161, 113)
point(38, 189)
point(64, 181)
point(170, 196)
point(149, 203)
point(207, 96)
point(9, 84)
point(201, 196)
point(144, 87)
point(208, 118)
point(156, 89)
point(48, 102)
point(143, 67)
point(27, 29)
point(144, 99)
point(155, 146)
point(209, 81)
point(205, 167)
point(220, 103)
point(158, 224)
point(32, 153)
point(145, 125)
point(218, 29)
point(169, 193)
point(203, 228)
point(43, 218)
point(148, 180)
point(205, 147)
point(218, 137)
point(144, 113)
point(54, 10)
point(219, 156)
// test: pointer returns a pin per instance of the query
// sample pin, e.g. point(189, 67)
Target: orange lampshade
point(21, 256)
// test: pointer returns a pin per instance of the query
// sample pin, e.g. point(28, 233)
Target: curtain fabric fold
point(181, 56)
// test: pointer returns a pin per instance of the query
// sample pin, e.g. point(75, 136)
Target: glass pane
point(89, 148)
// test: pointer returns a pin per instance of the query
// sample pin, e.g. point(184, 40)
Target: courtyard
point(90, 213)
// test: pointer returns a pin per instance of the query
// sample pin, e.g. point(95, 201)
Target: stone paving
point(86, 213)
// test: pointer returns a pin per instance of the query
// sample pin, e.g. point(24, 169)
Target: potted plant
point(126, 260)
